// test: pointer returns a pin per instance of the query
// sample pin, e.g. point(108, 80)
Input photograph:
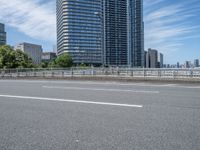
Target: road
point(86, 115)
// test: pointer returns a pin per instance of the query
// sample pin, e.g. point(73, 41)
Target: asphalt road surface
point(83, 115)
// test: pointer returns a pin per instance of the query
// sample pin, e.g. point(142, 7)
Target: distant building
point(178, 65)
point(32, 50)
point(160, 60)
point(55, 49)
point(187, 64)
point(173, 66)
point(2, 34)
point(146, 59)
point(196, 63)
point(152, 58)
point(48, 56)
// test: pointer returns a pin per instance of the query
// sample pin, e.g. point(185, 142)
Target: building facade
point(48, 56)
point(109, 32)
point(2, 34)
point(32, 50)
point(80, 30)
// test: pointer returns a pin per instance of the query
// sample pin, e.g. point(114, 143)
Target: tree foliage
point(10, 58)
point(62, 61)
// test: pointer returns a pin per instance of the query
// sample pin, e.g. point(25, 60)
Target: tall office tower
point(80, 30)
point(2, 34)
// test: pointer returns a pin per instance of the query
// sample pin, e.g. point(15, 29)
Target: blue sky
point(171, 26)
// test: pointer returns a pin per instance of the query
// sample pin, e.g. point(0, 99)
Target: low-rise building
point(48, 56)
point(34, 51)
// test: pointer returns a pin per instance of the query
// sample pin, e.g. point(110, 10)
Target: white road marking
point(72, 101)
point(100, 89)
point(187, 87)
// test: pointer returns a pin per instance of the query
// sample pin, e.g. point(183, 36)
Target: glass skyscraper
point(80, 30)
point(2, 34)
point(109, 32)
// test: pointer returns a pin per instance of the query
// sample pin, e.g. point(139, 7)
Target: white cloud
point(30, 17)
point(167, 25)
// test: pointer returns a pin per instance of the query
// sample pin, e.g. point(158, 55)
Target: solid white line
point(98, 89)
point(71, 101)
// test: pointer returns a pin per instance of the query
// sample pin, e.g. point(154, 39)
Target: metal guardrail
point(111, 72)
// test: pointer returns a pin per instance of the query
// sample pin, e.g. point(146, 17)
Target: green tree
point(52, 64)
point(7, 57)
point(63, 61)
point(22, 60)
point(14, 59)
point(44, 64)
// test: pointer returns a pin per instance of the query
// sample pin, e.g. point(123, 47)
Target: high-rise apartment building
point(135, 33)
point(32, 50)
point(116, 35)
point(109, 32)
point(2, 34)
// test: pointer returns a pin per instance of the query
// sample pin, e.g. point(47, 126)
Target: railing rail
point(112, 72)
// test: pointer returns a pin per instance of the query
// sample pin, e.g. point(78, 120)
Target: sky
point(171, 26)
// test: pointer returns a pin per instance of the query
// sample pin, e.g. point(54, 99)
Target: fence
point(101, 72)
